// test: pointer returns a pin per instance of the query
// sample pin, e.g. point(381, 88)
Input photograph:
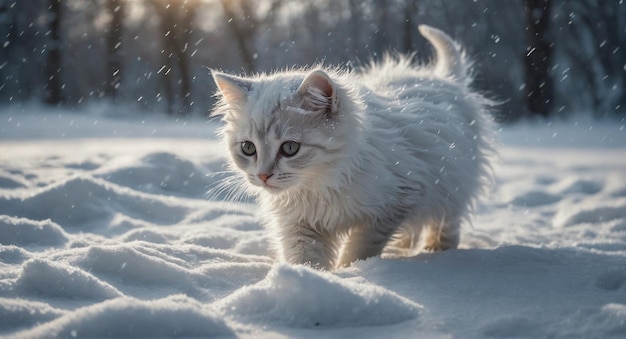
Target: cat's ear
point(234, 89)
point(318, 93)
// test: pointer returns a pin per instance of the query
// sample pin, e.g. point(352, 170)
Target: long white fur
point(392, 157)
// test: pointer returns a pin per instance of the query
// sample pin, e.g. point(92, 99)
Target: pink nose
point(264, 176)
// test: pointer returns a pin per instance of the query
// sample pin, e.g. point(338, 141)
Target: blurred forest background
point(538, 57)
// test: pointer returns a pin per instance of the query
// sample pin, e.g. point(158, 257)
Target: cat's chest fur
point(358, 189)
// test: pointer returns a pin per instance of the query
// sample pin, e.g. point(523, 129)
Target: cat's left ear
point(318, 93)
point(234, 89)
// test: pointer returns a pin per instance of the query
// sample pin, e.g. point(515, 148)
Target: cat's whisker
point(216, 173)
point(217, 190)
point(230, 188)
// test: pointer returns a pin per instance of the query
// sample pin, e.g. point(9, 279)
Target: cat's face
point(279, 138)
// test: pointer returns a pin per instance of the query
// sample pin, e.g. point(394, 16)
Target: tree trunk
point(52, 68)
point(114, 44)
point(241, 34)
point(537, 61)
point(182, 52)
point(381, 17)
point(355, 25)
point(168, 23)
point(176, 24)
point(410, 28)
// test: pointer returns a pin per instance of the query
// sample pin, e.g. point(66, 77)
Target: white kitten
point(346, 163)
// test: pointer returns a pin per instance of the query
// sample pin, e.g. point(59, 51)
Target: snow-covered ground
point(105, 231)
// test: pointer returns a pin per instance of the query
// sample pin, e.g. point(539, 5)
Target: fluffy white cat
point(345, 163)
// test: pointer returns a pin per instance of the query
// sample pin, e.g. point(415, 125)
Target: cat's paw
point(434, 248)
point(320, 264)
point(437, 240)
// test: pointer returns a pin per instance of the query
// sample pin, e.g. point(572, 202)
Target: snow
point(106, 231)
point(297, 296)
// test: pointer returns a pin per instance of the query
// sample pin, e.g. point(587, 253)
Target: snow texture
point(106, 231)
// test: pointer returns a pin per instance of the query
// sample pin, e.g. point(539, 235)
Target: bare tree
point(410, 11)
point(538, 58)
point(52, 70)
point(8, 29)
point(242, 22)
point(114, 44)
point(176, 28)
point(355, 26)
point(381, 20)
point(600, 59)
point(245, 23)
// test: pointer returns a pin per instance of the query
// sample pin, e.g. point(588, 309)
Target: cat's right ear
point(233, 89)
point(318, 93)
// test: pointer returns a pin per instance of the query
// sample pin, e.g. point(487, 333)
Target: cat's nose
point(264, 176)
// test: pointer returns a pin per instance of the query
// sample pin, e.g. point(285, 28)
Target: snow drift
point(109, 234)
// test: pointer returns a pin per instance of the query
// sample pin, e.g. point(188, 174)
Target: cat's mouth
point(270, 187)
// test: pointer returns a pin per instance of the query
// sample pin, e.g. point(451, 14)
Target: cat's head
point(288, 131)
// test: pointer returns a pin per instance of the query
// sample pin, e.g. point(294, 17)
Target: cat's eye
point(248, 148)
point(289, 148)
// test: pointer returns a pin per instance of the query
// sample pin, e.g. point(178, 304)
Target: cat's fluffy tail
point(449, 55)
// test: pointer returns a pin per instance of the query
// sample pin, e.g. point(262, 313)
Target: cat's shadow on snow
point(499, 273)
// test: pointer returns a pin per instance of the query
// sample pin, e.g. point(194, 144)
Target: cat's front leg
point(441, 236)
point(362, 243)
point(306, 245)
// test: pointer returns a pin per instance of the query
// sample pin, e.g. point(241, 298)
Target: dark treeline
point(537, 57)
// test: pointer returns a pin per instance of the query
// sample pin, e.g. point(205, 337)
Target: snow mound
point(607, 321)
point(162, 173)
point(535, 198)
point(18, 313)
point(143, 269)
point(611, 321)
point(174, 316)
point(11, 255)
point(302, 297)
point(574, 185)
point(26, 232)
point(91, 202)
point(591, 212)
point(48, 279)
point(9, 181)
point(131, 265)
point(462, 283)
